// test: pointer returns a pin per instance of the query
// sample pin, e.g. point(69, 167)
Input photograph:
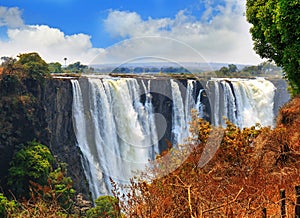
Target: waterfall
point(181, 113)
point(244, 102)
point(115, 123)
point(115, 130)
point(91, 167)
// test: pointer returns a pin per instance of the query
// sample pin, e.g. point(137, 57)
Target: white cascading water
point(244, 102)
point(116, 132)
point(178, 115)
point(181, 114)
point(92, 170)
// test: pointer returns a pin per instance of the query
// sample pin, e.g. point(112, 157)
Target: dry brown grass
point(245, 175)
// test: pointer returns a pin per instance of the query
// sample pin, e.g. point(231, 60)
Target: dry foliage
point(244, 176)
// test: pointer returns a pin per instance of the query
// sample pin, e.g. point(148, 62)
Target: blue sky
point(84, 30)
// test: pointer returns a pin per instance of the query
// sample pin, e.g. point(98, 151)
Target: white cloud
point(221, 34)
point(10, 17)
point(224, 37)
point(50, 43)
point(121, 23)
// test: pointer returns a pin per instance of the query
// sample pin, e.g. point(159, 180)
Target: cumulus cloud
point(124, 24)
point(10, 17)
point(51, 43)
point(221, 35)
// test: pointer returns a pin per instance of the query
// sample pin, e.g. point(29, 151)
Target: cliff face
point(57, 102)
point(21, 118)
point(30, 111)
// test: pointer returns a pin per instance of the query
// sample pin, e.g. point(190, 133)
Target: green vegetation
point(38, 190)
point(7, 207)
point(106, 206)
point(31, 163)
point(33, 66)
point(76, 68)
point(62, 188)
point(276, 35)
point(55, 67)
point(21, 82)
point(266, 69)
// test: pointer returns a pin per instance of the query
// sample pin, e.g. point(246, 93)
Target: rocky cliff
point(30, 111)
point(57, 102)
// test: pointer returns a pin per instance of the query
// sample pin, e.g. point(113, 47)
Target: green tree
point(276, 34)
point(31, 163)
point(62, 188)
point(224, 71)
point(106, 206)
point(232, 68)
point(76, 67)
point(55, 67)
point(8, 64)
point(34, 66)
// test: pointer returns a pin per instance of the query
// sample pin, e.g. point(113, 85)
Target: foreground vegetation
point(243, 178)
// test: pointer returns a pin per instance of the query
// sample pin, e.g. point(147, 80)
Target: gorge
point(109, 126)
point(122, 123)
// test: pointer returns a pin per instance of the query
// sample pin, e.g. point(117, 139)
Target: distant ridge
point(189, 66)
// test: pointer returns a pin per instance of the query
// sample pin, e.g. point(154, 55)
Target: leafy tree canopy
point(33, 65)
point(106, 206)
point(276, 34)
point(32, 163)
point(55, 67)
point(76, 67)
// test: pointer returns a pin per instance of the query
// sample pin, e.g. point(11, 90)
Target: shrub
point(31, 163)
point(6, 207)
point(106, 206)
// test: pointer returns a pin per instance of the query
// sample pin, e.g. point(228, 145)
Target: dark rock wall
point(42, 112)
point(282, 95)
point(57, 102)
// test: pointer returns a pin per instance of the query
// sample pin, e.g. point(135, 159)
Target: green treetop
point(276, 34)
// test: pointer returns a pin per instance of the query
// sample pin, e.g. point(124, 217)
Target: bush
point(106, 206)
point(32, 163)
point(62, 188)
point(6, 207)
